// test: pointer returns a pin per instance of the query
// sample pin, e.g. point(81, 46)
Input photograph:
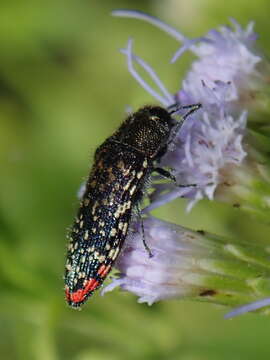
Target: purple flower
point(173, 269)
point(225, 55)
point(209, 144)
point(206, 156)
point(190, 264)
point(203, 153)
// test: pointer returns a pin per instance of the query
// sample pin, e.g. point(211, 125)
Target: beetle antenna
point(174, 108)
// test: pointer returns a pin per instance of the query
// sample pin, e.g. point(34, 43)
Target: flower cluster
point(214, 155)
point(210, 144)
point(188, 264)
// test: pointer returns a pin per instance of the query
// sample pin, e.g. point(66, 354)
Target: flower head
point(210, 156)
point(168, 273)
point(188, 264)
point(227, 55)
point(208, 145)
point(205, 150)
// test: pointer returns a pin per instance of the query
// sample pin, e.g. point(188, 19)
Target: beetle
point(122, 168)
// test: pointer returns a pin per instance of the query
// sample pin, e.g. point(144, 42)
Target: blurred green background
point(64, 87)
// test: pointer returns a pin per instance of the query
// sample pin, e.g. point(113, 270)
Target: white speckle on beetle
point(139, 174)
point(113, 232)
point(115, 253)
point(132, 190)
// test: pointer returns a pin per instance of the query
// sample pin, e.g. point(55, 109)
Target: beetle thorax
point(147, 130)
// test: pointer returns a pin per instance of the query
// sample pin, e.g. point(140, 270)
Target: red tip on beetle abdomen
point(80, 295)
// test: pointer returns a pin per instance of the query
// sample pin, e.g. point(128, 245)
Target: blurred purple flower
point(230, 57)
point(253, 306)
point(202, 157)
point(207, 146)
point(168, 273)
point(226, 55)
point(204, 152)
